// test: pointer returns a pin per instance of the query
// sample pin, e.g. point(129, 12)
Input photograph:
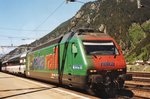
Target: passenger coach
point(15, 64)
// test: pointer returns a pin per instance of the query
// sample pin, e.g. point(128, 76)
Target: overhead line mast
point(74, 1)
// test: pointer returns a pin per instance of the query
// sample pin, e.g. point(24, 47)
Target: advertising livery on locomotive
point(83, 59)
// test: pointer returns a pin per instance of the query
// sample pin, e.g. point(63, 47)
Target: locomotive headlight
point(120, 70)
point(93, 71)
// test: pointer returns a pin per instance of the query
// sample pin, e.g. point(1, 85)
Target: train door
point(56, 58)
point(72, 51)
point(69, 62)
point(66, 58)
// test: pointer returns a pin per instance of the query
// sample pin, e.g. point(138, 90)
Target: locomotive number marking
point(78, 67)
point(107, 64)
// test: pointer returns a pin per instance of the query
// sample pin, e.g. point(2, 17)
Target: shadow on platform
point(29, 92)
point(5, 77)
point(125, 92)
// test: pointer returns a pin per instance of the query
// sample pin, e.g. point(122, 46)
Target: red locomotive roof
point(95, 36)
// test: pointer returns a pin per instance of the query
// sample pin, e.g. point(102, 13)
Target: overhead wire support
point(15, 29)
point(74, 1)
point(49, 16)
point(46, 20)
point(17, 37)
point(36, 29)
point(16, 46)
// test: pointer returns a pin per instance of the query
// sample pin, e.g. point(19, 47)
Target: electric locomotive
point(83, 59)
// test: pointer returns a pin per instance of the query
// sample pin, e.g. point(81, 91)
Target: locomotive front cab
point(105, 54)
point(106, 66)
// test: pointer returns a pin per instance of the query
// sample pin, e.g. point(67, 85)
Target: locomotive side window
point(74, 48)
point(100, 48)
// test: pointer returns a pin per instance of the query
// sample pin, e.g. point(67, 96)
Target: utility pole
point(10, 41)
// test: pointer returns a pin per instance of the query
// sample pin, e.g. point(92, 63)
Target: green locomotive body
point(83, 59)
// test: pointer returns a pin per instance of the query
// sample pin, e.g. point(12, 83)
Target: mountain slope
point(119, 18)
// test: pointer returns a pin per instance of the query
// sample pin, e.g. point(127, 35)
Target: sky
point(23, 21)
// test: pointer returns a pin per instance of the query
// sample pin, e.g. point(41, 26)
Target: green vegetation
point(138, 68)
point(136, 34)
point(140, 42)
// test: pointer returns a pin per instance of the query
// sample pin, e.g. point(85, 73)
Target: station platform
point(14, 87)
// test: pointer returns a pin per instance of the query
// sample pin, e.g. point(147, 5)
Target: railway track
point(142, 92)
point(138, 76)
point(140, 85)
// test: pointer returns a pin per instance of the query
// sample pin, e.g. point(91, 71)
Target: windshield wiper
point(94, 55)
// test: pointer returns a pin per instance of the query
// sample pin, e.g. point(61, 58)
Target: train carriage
point(4, 66)
point(83, 59)
point(15, 64)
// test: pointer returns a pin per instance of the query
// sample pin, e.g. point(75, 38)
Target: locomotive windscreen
point(100, 48)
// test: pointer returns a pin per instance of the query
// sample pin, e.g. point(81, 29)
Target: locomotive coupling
point(126, 76)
